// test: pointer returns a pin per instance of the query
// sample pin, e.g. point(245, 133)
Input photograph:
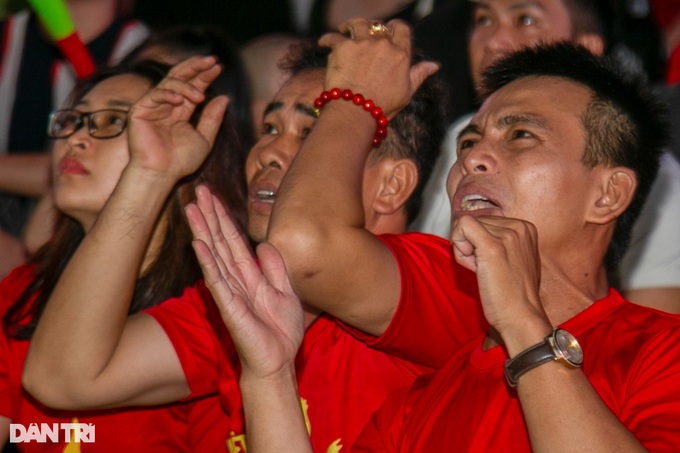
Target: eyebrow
point(525, 118)
point(507, 121)
point(483, 4)
point(469, 129)
point(300, 108)
point(110, 103)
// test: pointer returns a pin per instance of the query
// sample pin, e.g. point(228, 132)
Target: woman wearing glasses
point(94, 152)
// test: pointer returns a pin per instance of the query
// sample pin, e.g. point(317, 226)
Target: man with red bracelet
point(544, 183)
point(186, 352)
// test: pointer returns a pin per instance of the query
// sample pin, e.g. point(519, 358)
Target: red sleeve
point(201, 341)
point(381, 433)
point(5, 393)
point(11, 288)
point(438, 308)
point(652, 407)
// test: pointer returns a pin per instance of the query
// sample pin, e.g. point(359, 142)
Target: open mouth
point(266, 196)
point(476, 202)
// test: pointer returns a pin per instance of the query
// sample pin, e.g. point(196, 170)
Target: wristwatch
point(560, 345)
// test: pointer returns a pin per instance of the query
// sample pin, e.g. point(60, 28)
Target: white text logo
point(54, 432)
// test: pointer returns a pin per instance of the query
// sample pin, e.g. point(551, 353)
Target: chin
point(257, 232)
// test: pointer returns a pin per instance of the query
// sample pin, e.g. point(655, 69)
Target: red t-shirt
point(341, 380)
point(439, 308)
point(631, 357)
point(158, 429)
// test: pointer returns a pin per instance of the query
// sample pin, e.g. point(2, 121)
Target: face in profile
point(88, 161)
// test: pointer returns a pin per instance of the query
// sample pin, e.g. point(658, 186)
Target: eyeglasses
point(108, 123)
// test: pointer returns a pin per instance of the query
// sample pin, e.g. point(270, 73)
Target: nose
point(278, 154)
point(80, 138)
point(480, 159)
point(501, 39)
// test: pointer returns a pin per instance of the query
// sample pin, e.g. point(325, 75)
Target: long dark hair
point(176, 266)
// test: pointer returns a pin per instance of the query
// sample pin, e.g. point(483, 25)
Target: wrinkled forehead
point(540, 96)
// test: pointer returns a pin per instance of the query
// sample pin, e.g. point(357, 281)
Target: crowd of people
point(340, 236)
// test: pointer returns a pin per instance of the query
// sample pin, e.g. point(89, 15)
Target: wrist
point(525, 333)
point(282, 378)
point(146, 181)
point(559, 346)
point(336, 94)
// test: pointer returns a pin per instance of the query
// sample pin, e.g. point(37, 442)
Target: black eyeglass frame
point(91, 130)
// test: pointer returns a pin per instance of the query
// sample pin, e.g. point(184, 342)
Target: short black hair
point(625, 124)
point(415, 133)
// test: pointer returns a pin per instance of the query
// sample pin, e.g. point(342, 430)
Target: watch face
point(569, 347)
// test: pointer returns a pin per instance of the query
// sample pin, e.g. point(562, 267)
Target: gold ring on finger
point(379, 29)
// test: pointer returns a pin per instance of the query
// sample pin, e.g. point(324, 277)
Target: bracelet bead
point(357, 99)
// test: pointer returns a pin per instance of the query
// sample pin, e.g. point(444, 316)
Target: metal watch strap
point(528, 360)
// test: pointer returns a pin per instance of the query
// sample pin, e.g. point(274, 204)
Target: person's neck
point(92, 17)
point(566, 291)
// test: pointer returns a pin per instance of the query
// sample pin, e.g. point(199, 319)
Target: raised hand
point(162, 139)
point(258, 306)
point(504, 254)
point(375, 62)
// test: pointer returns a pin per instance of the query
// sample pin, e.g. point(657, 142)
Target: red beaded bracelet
point(368, 105)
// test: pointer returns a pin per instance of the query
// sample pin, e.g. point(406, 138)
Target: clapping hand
point(258, 305)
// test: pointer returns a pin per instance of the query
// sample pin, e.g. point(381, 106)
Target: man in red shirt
point(187, 351)
point(554, 166)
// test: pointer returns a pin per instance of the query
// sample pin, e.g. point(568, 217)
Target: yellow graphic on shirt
point(72, 446)
point(305, 408)
point(236, 444)
point(335, 447)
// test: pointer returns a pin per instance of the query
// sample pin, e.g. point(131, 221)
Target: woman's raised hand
point(161, 136)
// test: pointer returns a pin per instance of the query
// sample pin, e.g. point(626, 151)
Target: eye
point(115, 119)
point(269, 129)
point(526, 20)
point(521, 133)
point(465, 144)
point(305, 132)
point(481, 20)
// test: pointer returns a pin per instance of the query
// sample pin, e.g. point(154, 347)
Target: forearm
point(83, 322)
point(318, 223)
point(563, 412)
point(274, 419)
point(25, 174)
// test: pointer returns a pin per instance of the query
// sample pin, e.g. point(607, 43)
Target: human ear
point(399, 179)
point(614, 194)
point(591, 41)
